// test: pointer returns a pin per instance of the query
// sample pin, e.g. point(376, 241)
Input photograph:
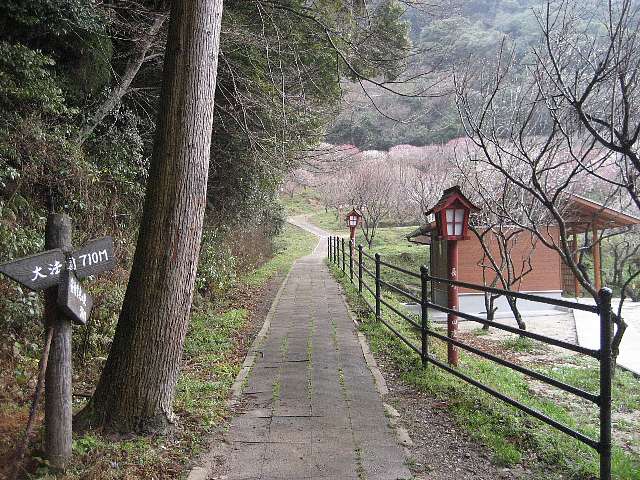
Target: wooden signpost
point(58, 271)
point(44, 270)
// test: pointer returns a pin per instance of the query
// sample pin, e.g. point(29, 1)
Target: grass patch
point(201, 392)
point(291, 245)
point(520, 344)
point(330, 221)
point(302, 202)
point(511, 435)
point(276, 390)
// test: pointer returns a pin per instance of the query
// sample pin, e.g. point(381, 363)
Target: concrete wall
point(473, 303)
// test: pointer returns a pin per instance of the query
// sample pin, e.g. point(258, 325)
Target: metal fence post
point(333, 244)
point(606, 372)
point(424, 276)
point(360, 269)
point(343, 256)
point(329, 248)
point(351, 261)
point(377, 286)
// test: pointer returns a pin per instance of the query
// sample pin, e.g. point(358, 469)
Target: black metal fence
point(344, 256)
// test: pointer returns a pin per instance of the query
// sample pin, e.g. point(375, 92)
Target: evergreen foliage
point(61, 60)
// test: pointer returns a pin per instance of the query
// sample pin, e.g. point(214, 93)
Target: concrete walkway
point(588, 332)
point(312, 410)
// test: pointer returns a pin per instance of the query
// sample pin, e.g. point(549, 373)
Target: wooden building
point(548, 275)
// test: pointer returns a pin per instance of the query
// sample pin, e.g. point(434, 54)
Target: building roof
point(422, 234)
point(584, 215)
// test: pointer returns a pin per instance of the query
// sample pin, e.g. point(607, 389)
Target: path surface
point(588, 329)
point(312, 410)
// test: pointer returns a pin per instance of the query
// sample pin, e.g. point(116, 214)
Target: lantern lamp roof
point(450, 196)
point(352, 213)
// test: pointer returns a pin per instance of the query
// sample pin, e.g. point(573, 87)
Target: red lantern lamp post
point(353, 219)
point(452, 224)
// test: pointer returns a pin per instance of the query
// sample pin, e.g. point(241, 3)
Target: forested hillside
point(79, 86)
point(80, 90)
point(444, 37)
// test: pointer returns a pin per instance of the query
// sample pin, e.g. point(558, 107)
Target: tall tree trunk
point(136, 389)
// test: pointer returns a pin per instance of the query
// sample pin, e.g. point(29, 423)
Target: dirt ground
point(440, 450)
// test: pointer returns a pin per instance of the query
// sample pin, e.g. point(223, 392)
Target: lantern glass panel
point(459, 221)
point(450, 222)
point(455, 222)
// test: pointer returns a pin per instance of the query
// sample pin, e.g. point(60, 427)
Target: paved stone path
point(312, 410)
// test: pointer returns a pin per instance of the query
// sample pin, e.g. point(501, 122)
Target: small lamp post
point(353, 219)
point(452, 224)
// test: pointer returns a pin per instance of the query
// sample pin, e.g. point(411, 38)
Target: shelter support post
point(597, 266)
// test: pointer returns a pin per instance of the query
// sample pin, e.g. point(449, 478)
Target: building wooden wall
point(546, 263)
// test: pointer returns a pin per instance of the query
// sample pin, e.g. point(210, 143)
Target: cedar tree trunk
point(136, 389)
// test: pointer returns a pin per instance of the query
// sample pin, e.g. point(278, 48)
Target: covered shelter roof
point(584, 215)
point(422, 234)
point(581, 214)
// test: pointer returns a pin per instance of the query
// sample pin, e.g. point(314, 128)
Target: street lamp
point(452, 224)
point(353, 219)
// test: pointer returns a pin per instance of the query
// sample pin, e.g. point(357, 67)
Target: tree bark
point(136, 389)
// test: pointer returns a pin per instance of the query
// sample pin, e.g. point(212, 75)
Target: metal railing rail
point(338, 255)
point(400, 269)
point(524, 296)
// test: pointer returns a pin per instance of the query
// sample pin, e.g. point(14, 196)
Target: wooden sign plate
point(43, 270)
point(36, 271)
point(95, 257)
point(73, 299)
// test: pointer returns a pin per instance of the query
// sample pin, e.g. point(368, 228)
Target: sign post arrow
point(43, 270)
point(36, 272)
point(73, 299)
